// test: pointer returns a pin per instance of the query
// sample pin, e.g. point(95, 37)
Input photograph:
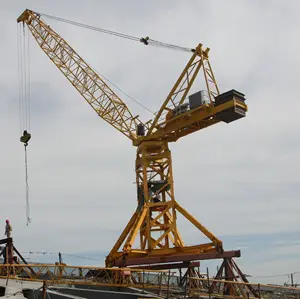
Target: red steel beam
point(124, 262)
point(170, 266)
point(4, 241)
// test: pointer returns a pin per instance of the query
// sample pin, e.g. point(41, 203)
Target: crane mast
point(155, 218)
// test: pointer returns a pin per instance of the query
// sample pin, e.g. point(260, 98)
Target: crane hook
point(25, 138)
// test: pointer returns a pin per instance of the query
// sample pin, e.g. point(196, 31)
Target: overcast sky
point(240, 180)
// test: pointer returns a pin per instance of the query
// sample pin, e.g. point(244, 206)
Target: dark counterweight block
point(233, 113)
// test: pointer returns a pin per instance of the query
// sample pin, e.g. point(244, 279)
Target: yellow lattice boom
point(155, 218)
point(84, 275)
point(87, 82)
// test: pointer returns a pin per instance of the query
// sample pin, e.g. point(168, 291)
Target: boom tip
point(24, 16)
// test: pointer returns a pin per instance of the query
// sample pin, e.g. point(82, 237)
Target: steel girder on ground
point(62, 274)
point(161, 282)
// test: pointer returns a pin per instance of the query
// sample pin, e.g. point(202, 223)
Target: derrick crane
point(155, 218)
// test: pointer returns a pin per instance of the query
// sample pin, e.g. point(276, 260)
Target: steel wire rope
point(62, 253)
point(19, 79)
point(25, 83)
point(156, 43)
point(27, 91)
point(107, 32)
point(130, 97)
point(276, 275)
point(146, 41)
point(24, 99)
point(151, 42)
point(29, 80)
point(119, 34)
point(122, 35)
point(39, 252)
point(27, 189)
point(82, 257)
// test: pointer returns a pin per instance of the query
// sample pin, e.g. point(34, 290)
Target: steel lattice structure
point(155, 219)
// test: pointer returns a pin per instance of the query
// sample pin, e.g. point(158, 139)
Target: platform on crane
point(183, 257)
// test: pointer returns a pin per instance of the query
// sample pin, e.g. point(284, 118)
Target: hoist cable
point(136, 101)
point(24, 101)
point(91, 27)
point(146, 41)
point(24, 81)
point(24, 69)
point(107, 32)
point(28, 219)
point(28, 76)
point(170, 46)
point(19, 80)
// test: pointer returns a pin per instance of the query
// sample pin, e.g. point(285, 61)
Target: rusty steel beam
point(4, 241)
point(169, 266)
point(124, 262)
point(229, 278)
point(23, 260)
point(9, 251)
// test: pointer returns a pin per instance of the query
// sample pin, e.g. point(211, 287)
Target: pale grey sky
point(240, 180)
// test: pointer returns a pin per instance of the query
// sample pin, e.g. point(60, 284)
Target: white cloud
point(288, 249)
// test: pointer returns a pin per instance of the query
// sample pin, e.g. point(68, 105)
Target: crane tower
point(153, 225)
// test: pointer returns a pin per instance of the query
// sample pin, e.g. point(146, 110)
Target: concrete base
point(16, 289)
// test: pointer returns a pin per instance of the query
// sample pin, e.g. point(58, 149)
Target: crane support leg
point(232, 281)
point(155, 219)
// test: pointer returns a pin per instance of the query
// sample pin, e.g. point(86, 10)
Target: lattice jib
point(87, 82)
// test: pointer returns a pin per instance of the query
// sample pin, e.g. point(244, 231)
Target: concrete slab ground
point(13, 288)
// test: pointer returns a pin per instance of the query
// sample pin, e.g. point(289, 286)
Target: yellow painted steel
point(87, 82)
point(155, 219)
point(240, 289)
point(61, 274)
point(189, 122)
point(204, 230)
point(159, 235)
point(84, 275)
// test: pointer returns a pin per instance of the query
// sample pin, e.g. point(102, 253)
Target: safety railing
point(219, 288)
point(164, 281)
point(85, 275)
